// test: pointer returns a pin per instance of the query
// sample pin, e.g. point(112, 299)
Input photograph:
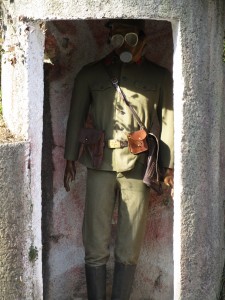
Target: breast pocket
point(145, 86)
point(101, 86)
point(102, 90)
point(145, 92)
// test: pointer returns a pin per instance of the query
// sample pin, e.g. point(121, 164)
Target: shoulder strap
point(115, 83)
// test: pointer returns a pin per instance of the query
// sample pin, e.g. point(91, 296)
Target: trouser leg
point(132, 213)
point(132, 216)
point(96, 282)
point(99, 205)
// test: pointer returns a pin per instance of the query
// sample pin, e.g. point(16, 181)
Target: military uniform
point(148, 88)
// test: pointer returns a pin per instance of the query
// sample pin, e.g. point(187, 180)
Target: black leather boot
point(122, 281)
point(96, 282)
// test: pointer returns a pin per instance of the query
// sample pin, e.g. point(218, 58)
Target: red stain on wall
point(51, 46)
point(99, 32)
point(159, 44)
point(65, 27)
point(60, 50)
point(160, 222)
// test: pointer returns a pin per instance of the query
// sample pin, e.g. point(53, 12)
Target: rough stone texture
point(22, 65)
point(14, 77)
point(199, 135)
point(34, 100)
point(15, 222)
point(201, 191)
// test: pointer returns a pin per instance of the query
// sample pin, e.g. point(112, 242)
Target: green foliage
point(33, 253)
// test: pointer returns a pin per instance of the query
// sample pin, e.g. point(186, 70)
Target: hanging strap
point(155, 128)
point(115, 83)
point(154, 149)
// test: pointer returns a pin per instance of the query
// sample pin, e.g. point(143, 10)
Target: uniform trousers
point(103, 189)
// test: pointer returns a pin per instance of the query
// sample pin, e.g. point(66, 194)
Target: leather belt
point(116, 144)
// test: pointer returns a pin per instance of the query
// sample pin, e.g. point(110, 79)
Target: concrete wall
point(199, 192)
point(15, 222)
point(22, 94)
point(199, 140)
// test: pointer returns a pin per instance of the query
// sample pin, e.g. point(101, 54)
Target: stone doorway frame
point(198, 218)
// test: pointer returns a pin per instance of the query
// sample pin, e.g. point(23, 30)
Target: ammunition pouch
point(137, 142)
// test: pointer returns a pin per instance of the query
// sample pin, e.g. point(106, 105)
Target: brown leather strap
point(115, 82)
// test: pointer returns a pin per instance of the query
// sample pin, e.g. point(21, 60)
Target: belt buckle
point(113, 144)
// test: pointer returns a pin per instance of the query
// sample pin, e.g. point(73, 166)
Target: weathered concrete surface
point(199, 196)
point(22, 93)
point(199, 126)
point(15, 222)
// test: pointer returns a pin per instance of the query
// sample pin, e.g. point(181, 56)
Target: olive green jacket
point(148, 88)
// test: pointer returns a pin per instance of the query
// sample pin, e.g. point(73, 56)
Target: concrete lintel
point(85, 9)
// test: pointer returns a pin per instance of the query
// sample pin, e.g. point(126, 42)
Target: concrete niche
point(68, 46)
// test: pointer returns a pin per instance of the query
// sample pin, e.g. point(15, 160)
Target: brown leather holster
point(152, 174)
point(92, 141)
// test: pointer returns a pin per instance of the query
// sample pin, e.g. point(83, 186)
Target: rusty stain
point(51, 46)
point(99, 31)
point(59, 52)
point(13, 60)
point(160, 220)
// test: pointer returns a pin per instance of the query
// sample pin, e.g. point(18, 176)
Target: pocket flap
point(101, 86)
point(90, 135)
point(145, 85)
point(138, 135)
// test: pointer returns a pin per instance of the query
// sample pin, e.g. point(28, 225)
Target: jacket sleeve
point(166, 119)
point(79, 107)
